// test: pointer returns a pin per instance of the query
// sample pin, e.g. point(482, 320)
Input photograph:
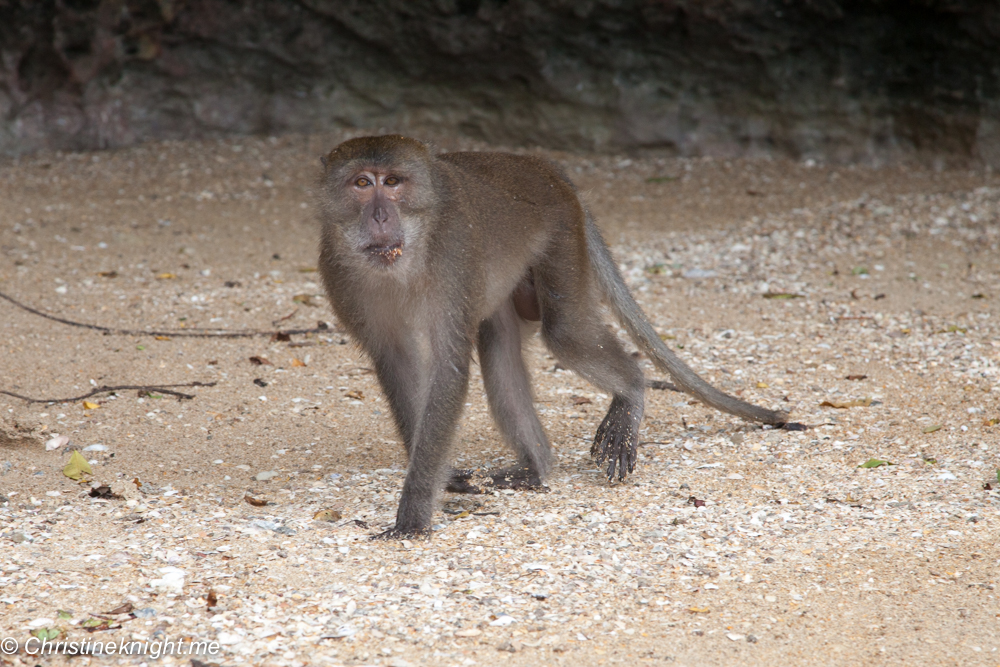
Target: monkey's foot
point(517, 478)
point(402, 534)
point(458, 482)
point(617, 440)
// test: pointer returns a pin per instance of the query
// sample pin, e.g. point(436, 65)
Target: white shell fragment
point(172, 580)
point(56, 441)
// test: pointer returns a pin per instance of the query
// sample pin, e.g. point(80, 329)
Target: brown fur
point(425, 256)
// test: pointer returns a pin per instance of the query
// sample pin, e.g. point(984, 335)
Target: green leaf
point(140, 347)
point(875, 463)
point(64, 615)
point(661, 179)
point(859, 271)
point(77, 466)
point(782, 295)
point(46, 634)
point(931, 429)
point(93, 623)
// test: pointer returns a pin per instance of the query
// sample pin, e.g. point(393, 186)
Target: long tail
point(634, 320)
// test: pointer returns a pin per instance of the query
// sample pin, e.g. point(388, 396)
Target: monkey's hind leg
point(574, 332)
point(508, 390)
point(617, 438)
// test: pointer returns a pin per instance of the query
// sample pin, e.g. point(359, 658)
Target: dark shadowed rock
point(830, 79)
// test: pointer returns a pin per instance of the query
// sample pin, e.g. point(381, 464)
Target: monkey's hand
point(617, 441)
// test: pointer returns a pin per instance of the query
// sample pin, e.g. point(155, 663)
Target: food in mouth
point(386, 253)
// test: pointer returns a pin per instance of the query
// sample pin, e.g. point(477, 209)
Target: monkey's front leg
point(398, 374)
point(447, 383)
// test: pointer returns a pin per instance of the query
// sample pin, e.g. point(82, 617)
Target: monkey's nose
point(380, 215)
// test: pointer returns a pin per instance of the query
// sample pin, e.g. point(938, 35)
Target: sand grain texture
point(775, 280)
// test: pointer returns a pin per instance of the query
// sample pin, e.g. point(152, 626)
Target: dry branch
point(179, 333)
point(161, 388)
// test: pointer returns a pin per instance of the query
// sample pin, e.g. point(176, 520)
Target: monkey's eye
point(391, 181)
point(362, 182)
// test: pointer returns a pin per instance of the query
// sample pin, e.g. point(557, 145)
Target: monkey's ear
point(323, 160)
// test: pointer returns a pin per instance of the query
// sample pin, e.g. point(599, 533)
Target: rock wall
point(836, 80)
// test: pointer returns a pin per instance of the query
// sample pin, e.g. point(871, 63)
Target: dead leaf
point(123, 488)
point(356, 394)
point(696, 502)
point(280, 337)
point(161, 337)
point(102, 491)
point(256, 502)
point(327, 515)
point(843, 405)
point(260, 361)
point(857, 377)
point(166, 276)
point(142, 486)
point(762, 385)
point(699, 610)
point(662, 385)
point(87, 405)
point(581, 400)
point(212, 599)
point(77, 466)
point(782, 295)
point(121, 609)
point(305, 300)
point(108, 274)
point(98, 625)
point(298, 363)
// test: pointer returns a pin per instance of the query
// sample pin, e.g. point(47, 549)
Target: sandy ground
point(789, 284)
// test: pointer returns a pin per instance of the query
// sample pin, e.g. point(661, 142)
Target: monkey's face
point(378, 194)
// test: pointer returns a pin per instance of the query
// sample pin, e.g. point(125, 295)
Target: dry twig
point(179, 333)
point(161, 388)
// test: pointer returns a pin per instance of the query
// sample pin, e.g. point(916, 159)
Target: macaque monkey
point(425, 257)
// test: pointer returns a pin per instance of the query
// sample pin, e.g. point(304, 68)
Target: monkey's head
point(376, 193)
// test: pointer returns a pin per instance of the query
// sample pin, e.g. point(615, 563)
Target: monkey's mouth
point(385, 254)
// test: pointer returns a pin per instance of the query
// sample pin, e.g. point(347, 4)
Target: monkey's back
point(523, 177)
point(519, 208)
